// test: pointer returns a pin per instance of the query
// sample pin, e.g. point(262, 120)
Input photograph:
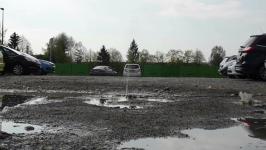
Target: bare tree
point(175, 56)
point(115, 55)
point(79, 53)
point(144, 56)
point(198, 57)
point(188, 56)
point(24, 45)
point(159, 56)
point(217, 55)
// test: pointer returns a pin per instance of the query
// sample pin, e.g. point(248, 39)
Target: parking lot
point(94, 112)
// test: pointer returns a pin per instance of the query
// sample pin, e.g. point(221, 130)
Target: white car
point(132, 70)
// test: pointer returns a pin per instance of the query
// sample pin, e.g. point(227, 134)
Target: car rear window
point(250, 41)
point(132, 66)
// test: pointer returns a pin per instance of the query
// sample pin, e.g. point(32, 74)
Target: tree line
point(64, 49)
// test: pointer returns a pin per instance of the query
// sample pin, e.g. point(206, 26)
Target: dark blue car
point(46, 67)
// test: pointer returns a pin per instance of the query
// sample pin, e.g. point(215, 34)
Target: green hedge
point(148, 70)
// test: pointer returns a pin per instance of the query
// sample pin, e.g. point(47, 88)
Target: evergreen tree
point(133, 54)
point(103, 56)
point(14, 41)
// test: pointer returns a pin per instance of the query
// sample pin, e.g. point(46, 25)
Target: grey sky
point(155, 24)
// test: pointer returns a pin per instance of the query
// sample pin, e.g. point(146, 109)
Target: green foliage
point(133, 54)
point(14, 41)
point(59, 48)
point(103, 56)
point(217, 55)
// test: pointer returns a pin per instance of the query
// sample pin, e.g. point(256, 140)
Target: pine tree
point(133, 54)
point(14, 41)
point(103, 56)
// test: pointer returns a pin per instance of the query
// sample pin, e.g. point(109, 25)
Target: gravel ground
point(69, 123)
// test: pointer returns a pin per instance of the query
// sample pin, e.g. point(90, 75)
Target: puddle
point(114, 101)
point(110, 103)
point(19, 128)
point(233, 138)
point(8, 102)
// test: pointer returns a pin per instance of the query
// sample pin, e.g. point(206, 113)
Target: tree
point(115, 55)
point(133, 54)
point(144, 56)
point(188, 56)
point(24, 45)
point(59, 48)
point(175, 56)
point(14, 41)
point(217, 55)
point(103, 56)
point(79, 52)
point(90, 56)
point(198, 57)
point(159, 57)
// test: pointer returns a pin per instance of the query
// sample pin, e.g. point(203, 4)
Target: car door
point(261, 49)
point(2, 64)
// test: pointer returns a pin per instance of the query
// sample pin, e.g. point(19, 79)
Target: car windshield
point(132, 66)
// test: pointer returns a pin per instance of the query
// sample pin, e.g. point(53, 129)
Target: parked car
point(231, 71)
point(223, 67)
point(2, 64)
point(19, 63)
point(132, 70)
point(46, 67)
point(251, 57)
point(103, 71)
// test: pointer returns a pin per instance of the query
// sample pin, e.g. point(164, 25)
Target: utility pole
point(2, 25)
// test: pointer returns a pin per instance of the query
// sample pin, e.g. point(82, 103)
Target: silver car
point(225, 63)
point(132, 70)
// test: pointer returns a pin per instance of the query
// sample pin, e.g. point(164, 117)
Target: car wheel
point(18, 69)
point(262, 73)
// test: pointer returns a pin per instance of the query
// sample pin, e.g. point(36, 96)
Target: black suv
point(251, 57)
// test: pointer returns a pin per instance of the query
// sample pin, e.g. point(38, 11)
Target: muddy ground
point(69, 123)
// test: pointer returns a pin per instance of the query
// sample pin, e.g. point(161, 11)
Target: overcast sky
point(154, 24)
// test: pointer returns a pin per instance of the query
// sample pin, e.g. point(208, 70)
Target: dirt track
point(195, 103)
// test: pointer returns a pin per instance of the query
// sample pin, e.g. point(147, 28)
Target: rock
point(133, 107)
point(246, 98)
point(29, 128)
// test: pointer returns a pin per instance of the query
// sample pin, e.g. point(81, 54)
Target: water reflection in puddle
point(111, 103)
point(223, 139)
point(120, 101)
point(19, 128)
